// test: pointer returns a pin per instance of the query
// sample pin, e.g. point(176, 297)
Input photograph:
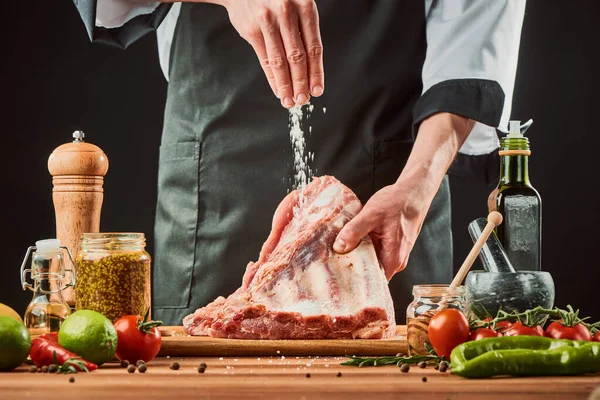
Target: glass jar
point(427, 300)
point(113, 274)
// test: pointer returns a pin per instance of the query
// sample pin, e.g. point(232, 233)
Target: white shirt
point(465, 39)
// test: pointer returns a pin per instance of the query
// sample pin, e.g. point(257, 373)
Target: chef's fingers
point(294, 49)
point(277, 59)
point(311, 35)
point(258, 44)
point(352, 233)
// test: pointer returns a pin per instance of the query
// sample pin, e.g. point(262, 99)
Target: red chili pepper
point(45, 346)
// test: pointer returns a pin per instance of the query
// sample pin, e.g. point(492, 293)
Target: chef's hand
point(286, 38)
point(394, 215)
point(394, 221)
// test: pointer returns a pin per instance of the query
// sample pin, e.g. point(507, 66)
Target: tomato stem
point(537, 316)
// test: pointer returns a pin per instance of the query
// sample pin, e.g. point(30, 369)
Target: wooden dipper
point(77, 170)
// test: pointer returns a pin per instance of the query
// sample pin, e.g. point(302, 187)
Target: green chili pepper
point(524, 356)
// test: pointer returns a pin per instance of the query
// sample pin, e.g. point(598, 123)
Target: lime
point(9, 312)
point(90, 335)
point(15, 343)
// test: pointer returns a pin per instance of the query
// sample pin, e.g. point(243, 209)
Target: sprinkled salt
point(221, 358)
point(278, 352)
point(324, 110)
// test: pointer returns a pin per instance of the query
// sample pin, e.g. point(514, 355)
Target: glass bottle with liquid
point(518, 201)
point(47, 309)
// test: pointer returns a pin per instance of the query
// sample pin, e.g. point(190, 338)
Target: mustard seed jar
point(427, 300)
point(113, 274)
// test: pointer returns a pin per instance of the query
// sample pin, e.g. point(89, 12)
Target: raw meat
point(300, 288)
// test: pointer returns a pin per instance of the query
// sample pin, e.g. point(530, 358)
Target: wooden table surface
point(283, 378)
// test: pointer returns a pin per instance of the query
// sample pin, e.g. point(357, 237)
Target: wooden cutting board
point(176, 343)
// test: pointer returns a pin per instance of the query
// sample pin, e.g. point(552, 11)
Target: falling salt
point(278, 352)
point(221, 358)
point(324, 110)
point(302, 171)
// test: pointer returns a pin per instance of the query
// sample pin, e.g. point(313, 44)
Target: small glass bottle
point(113, 274)
point(47, 309)
point(519, 203)
point(427, 300)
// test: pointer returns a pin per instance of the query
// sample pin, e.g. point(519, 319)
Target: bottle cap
point(47, 247)
point(516, 130)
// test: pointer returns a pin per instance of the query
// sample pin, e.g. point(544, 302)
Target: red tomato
point(518, 329)
point(596, 337)
point(447, 329)
point(557, 330)
point(136, 341)
point(481, 333)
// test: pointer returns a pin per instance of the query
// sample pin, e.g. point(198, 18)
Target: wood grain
point(175, 342)
point(283, 378)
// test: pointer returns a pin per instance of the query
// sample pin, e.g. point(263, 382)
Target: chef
point(401, 93)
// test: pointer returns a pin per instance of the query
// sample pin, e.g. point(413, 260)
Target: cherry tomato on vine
point(137, 339)
point(481, 333)
point(557, 330)
point(518, 329)
point(596, 337)
point(447, 329)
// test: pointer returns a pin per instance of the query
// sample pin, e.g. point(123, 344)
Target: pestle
point(492, 254)
point(500, 286)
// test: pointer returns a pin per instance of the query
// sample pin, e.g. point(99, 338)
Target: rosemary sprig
point(432, 357)
point(379, 361)
point(70, 366)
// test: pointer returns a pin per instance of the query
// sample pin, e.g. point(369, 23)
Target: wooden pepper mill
point(77, 170)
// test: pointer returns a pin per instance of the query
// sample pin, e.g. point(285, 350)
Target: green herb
point(379, 361)
point(70, 366)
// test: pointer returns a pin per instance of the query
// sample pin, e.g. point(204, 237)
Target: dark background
point(54, 81)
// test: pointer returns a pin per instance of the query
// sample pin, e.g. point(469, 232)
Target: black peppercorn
point(124, 363)
point(201, 369)
point(131, 368)
point(174, 365)
point(142, 368)
point(443, 367)
point(424, 379)
point(422, 364)
point(339, 374)
point(52, 368)
point(72, 379)
point(140, 362)
point(404, 368)
point(203, 364)
point(33, 368)
point(308, 375)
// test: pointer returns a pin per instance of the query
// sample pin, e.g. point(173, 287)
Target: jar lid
point(78, 158)
point(437, 290)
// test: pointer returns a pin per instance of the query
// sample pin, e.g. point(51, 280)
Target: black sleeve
point(125, 35)
point(481, 100)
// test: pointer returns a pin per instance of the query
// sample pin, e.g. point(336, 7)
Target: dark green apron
point(226, 158)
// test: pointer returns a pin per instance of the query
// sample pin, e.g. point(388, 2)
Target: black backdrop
point(54, 81)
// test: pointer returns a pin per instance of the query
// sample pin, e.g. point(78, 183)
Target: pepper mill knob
point(77, 170)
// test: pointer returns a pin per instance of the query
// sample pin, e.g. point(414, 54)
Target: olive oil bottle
point(518, 201)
